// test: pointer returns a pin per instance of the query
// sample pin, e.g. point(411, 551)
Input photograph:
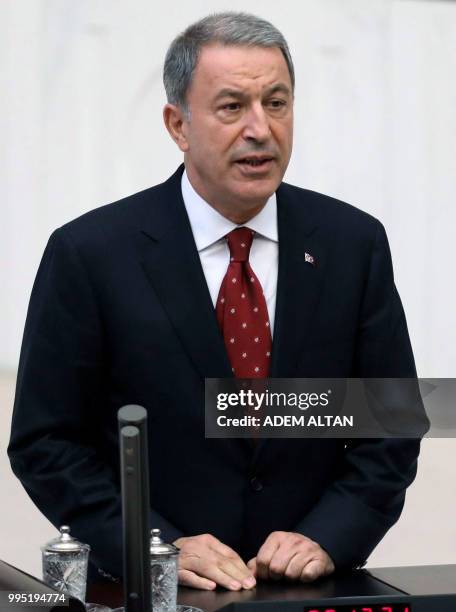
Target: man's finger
point(222, 578)
point(190, 579)
point(296, 565)
point(313, 570)
point(244, 576)
point(238, 569)
point(252, 565)
point(283, 556)
point(265, 555)
point(208, 567)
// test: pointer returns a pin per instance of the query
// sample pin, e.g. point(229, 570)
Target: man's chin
point(257, 193)
point(256, 188)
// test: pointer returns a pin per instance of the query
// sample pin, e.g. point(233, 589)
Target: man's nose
point(256, 124)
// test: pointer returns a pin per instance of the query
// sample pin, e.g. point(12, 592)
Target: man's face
point(239, 137)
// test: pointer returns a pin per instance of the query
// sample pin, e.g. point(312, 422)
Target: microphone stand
point(135, 508)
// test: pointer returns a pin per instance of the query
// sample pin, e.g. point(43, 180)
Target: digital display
point(396, 607)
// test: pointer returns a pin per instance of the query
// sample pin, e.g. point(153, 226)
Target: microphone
point(134, 461)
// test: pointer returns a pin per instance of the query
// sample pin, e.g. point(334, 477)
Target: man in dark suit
point(130, 306)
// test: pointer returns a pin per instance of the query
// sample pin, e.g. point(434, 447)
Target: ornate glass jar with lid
point(163, 572)
point(65, 562)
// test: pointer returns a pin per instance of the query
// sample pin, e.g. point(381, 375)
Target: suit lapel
point(299, 281)
point(173, 266)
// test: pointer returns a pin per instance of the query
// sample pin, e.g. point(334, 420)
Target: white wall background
point(81, 125)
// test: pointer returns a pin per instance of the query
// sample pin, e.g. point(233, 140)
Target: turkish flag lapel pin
point(309, 259)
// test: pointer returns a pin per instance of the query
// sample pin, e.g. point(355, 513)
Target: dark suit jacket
point(120, 313)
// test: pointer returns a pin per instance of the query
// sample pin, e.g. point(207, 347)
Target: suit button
point(256, 484)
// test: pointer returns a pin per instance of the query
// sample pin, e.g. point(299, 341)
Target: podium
point(402, 589)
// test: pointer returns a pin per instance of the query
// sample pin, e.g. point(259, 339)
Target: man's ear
point(176, 123)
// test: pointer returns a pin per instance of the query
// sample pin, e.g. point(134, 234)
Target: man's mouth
point(254, 161)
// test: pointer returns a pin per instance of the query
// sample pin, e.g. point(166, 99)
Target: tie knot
point(240, 241)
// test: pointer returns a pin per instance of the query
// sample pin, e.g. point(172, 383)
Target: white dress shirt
point(209, 228)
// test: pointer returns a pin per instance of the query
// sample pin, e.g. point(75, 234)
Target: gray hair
point(228, 28)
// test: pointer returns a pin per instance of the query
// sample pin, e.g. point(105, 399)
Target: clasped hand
point(205, 562)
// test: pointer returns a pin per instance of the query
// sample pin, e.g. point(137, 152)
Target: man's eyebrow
point(236, 93)
point(229, 93)
point(279, 87)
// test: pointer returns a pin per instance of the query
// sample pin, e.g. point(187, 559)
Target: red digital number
point(387, 609)
point(366, 609)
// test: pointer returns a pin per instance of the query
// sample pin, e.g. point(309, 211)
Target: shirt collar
point(209, 226)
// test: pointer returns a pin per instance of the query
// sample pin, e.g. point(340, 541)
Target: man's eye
point(232, 106)
point(277, 103)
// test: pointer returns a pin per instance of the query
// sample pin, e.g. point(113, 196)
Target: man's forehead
point(226, 67)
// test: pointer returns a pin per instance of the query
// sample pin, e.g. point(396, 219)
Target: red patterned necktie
point(242, 312)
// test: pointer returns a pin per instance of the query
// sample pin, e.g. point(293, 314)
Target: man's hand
point(204, 563)
point(290, 555)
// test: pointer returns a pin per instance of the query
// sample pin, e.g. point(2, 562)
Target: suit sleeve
point(60, 384)
point(367, 498)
